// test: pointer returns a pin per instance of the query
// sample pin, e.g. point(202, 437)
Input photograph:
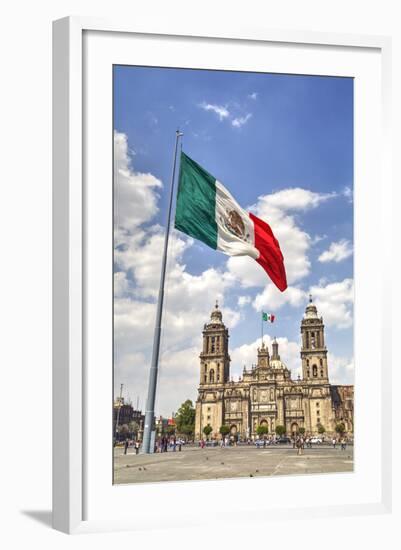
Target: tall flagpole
point(150, 403)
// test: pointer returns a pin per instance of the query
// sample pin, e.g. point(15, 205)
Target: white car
point(316, 440)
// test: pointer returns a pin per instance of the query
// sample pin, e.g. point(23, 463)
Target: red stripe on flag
point(270, 256)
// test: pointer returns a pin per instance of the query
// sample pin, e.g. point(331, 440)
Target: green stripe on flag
point(264, 316)
point(196, 202)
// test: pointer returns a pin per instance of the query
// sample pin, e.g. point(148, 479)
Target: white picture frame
point(71, 257)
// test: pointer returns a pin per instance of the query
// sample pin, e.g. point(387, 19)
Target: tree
point(321, 429)
point(207, 430)
point(262, 429)
point(224, 430)
point(185, 419)
point(340, 428)
point(123, 431)
point(302, 431)
point(170, 430)
point(133, 428)
point(280, 430)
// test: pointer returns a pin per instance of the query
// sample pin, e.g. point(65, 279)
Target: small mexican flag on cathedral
point(269, 317)
point(207, 211)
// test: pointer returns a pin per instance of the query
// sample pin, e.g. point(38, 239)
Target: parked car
point(283, 440)
point(260, 443)
point(212, 443)
point(317, 440)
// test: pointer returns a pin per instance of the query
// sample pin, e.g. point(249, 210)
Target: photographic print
point(233, 274)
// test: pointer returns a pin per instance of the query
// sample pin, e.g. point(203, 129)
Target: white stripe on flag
point(235, 230)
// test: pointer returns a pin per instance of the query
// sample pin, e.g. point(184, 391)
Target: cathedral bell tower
point(263, 356)
point(214, 358)
point(313, 350)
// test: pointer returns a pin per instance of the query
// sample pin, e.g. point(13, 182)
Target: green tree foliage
point(133, 428)
point(224, 430)
point(185, 419)
point(262, 430)
point(207, 430)
point(321, 429)
point(340, 428)
point(170, 430)
point(302, 431)
point(280, 430)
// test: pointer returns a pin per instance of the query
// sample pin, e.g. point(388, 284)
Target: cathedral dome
point(216, 316)
point(311, 310)
point(277, 364)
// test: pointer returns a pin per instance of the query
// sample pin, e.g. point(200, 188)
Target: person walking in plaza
point(136, 447)
point(126, 443)
point(334, 442)
point(343, 444)
point(299, 443)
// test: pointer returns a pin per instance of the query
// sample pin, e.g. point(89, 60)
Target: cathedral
point(266, 395)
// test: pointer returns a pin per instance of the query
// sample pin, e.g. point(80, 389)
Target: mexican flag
point(207, 211)
point(268, 317)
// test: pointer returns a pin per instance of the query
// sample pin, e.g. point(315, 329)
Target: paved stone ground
point(194, 463)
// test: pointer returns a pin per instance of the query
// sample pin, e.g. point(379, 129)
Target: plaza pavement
point(193, 463)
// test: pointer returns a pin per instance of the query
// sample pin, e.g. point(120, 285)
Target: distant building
point(124, 414)
point(164, 425)
point(266, 394)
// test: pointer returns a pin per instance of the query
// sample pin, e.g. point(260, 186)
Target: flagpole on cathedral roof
point(154, 367)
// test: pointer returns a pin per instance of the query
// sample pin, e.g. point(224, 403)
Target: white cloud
point(220, 110)
point(272, 298)
point(179, 377)
point(336, 252)
point(121, 284)
point(135, 193)
point(294, 241)
point(223, 113)
point(348, 194)
point(335, 302)
point(295, 198)
point(237, 122)
point(246, 355)
point(341, 369)
point(189, 298)
point(317, 238)
point(253, 95)
point(244, 300)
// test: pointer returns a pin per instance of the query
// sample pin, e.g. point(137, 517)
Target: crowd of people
point(299, 443)
point(165, 442)
point(173, 443)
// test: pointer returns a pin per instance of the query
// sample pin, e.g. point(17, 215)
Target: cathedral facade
point(266, 394)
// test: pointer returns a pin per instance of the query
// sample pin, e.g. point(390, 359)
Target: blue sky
point(283, 146)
